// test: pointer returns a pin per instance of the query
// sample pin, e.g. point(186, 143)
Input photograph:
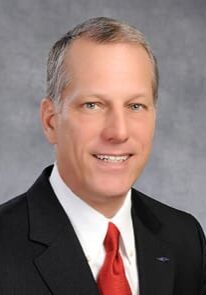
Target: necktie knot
point(111, 241)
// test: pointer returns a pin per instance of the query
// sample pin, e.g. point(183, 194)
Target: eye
point(136, 106)
point(90, 105)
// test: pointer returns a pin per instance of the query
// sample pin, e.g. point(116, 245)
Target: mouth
point(112, 158)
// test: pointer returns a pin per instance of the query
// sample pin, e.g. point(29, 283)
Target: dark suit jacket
point(41, 255)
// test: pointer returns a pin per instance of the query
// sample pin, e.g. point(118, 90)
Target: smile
point(112, 158)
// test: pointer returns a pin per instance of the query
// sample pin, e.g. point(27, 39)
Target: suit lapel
point(62, 265)
point(154, 257)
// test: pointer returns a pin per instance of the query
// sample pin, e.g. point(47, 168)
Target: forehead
point(86, 51)
point(110, 65)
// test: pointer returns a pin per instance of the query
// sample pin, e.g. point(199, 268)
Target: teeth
point(113, 159)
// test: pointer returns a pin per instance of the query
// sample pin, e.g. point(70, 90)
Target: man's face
point(104, 126)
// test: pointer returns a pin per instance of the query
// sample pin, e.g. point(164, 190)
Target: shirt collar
point(89, 224)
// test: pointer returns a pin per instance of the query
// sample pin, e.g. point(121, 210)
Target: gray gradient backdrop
point(176, 30)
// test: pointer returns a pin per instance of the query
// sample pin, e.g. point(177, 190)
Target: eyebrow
point(105, 97)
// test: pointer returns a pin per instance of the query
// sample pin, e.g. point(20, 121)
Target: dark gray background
point(176, 31)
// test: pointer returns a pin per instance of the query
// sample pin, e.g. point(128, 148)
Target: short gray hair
point(101, 30)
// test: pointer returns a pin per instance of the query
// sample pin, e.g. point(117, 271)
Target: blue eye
point(90, 105)
point(136, 106)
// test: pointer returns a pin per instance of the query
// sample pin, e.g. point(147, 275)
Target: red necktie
point(112, 279)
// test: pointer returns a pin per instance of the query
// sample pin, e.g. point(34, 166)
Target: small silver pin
point(163, 259)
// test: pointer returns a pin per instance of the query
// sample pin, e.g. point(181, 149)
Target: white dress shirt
point(91, 228)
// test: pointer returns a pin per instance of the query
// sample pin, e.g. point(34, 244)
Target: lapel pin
point(163, 259)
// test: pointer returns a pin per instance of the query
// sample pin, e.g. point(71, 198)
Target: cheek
point(85, 130)
point(77, 136)
point(144, 134)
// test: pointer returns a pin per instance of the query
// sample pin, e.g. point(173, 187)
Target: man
point(81, 228)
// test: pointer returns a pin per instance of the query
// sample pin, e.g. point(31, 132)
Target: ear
point(48, 117)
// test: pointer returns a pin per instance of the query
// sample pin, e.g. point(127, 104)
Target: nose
point(115, 128)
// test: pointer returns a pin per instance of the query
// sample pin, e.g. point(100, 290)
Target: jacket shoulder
point(174, 225)
point(13, 215)
point(161, 210)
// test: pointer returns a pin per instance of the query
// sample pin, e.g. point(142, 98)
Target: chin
point(112, 190)
point(109, 185)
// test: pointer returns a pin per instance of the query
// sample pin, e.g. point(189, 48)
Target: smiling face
point(103, 128)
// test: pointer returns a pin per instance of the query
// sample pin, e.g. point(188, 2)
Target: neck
point(108, 208)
